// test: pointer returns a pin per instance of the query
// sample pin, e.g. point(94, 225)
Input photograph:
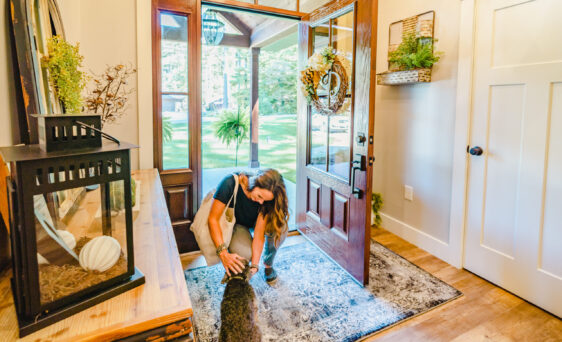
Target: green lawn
point(277, 146)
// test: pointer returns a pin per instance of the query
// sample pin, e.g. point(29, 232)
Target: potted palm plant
point(232, 127)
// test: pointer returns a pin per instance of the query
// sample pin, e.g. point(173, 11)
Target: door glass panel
point(330, 137)
point(342, 39)
point(318, 139)
point(174, 52)
point(290, 5)
point(175, 132)
point(340, 124)
point(174, 93)
point(340, 129)
point(319, 122)
point(321, 36)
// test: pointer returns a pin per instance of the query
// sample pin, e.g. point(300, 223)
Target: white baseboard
point(430, 244)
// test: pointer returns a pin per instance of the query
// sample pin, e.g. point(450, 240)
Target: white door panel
point(514, 214)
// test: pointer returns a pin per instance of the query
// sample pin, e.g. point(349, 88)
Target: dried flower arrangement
point(110, 96)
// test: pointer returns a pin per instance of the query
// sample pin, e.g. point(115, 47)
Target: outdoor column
point(255, 111)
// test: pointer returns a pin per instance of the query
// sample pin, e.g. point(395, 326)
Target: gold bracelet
point(221, 248)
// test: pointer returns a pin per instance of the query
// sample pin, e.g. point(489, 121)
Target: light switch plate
point(408, 192)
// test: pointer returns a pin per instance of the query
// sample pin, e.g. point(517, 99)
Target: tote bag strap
point(234, 193)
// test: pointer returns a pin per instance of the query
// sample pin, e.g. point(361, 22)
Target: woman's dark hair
point(275, 211)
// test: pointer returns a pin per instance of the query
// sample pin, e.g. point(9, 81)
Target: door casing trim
point(461, 162)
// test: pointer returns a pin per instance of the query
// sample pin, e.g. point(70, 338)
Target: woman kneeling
point(262, 205)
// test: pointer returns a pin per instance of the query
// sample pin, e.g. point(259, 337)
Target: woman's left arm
point(259, 238)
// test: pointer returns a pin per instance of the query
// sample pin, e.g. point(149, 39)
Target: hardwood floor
point(485, 312)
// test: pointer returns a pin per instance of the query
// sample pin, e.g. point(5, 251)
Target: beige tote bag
point(200, 225)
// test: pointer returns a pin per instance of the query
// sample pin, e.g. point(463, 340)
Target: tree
point(240, 79)
point(232, 127)
point(278, 81)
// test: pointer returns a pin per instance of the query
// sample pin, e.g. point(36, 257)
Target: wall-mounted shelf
point(404, 77)
point(422, 25)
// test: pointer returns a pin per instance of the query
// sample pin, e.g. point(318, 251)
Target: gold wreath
point(334, 100)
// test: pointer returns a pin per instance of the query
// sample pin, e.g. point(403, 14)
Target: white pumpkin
point(68, 238)
point(100, 254)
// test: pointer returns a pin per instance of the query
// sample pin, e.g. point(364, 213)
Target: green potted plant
point(413, 53)
point(411, 61)
point(63, 63)
point(376, 205)
point(59, 131)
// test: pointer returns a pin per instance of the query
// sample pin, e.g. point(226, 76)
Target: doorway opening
point(249, 96)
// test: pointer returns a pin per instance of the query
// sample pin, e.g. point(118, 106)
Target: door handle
point(360, 165)
point(476, 151)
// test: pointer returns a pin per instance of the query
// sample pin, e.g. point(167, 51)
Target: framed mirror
point(33, 23)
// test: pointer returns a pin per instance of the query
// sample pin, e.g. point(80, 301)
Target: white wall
point(414, 132)
point(106, 30)
point(9, 134)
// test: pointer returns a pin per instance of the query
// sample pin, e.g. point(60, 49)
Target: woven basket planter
point(404, 77)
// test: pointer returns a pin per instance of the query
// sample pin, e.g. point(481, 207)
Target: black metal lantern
point(213, 28)
point(71, 229)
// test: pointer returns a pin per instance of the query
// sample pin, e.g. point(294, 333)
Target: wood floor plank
point(485, 312)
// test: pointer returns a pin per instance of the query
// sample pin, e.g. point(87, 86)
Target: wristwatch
point(255, 266)
point(221, 248)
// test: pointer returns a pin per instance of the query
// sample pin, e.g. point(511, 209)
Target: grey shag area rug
point(315, 300)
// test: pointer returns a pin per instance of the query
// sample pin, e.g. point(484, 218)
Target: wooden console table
point(156, 311)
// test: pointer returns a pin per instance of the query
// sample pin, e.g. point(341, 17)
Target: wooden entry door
point(334, 164)
point(513, 231)
point(175, 33)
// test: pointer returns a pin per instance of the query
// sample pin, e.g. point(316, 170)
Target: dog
point(239, 309)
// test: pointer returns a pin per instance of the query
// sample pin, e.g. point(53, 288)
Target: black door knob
point(476, 151)
point(361, 138)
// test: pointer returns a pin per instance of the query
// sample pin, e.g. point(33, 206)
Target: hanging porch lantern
point(213, 28)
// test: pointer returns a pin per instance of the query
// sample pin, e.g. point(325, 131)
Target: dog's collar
point(226, 278)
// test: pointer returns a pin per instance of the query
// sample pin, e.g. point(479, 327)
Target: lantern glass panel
point(81, 238)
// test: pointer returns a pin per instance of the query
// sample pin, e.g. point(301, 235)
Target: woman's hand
point(231, 262)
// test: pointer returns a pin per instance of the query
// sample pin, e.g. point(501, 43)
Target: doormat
point(316, 300)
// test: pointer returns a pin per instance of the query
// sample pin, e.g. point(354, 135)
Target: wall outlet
point(408, 192)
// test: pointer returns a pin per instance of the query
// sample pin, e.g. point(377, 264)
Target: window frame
point(170, 7)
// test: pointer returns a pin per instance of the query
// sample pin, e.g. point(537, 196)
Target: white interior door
point(514, 228)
